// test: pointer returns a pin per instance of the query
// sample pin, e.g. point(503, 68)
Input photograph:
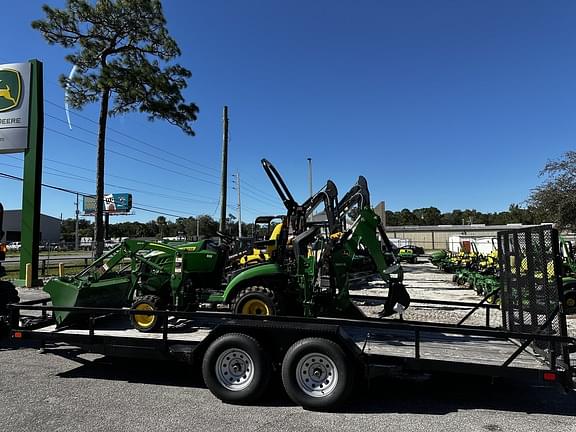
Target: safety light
point(17, 335)
point(549, 376)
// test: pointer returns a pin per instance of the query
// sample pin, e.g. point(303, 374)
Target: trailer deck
point(388, 342)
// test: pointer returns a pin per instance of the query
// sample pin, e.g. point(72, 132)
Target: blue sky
point(453, 104)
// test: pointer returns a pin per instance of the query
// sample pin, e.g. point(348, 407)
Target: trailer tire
point(256, 300)
point(236, 369)
point(317, 374)
point(146, 323)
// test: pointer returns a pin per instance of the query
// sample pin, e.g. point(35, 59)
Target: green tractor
point(568, 276)
point(306, 274)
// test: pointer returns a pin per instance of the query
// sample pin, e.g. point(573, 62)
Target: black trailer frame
point(379, 347)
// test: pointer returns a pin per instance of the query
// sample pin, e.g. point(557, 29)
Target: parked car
point(14, 246)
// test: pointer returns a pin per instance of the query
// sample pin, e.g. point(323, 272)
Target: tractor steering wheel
point(225, 237)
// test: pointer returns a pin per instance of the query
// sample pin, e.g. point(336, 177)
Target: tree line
point(552, 201)
point(433, 216)
point(159, 228)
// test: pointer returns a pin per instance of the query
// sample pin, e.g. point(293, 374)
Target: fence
point(48, 266)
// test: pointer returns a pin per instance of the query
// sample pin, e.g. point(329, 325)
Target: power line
point(63, 174)
point(76, 177)
point(112, 140)
point(129, 179)
point(70, 191)
point(131, 157)
point(133, 138)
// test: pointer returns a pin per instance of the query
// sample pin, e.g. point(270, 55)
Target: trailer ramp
point(531, 289)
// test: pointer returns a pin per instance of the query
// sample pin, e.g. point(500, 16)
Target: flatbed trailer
point(370, 347)
point(320, 359)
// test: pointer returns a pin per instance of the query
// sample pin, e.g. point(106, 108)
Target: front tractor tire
point(256, 300)
point(236, 368)
point(146, 323)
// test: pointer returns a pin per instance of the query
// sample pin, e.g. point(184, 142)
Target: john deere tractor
point(306, 273)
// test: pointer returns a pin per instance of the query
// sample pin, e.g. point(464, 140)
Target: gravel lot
point(65, 390)
point(424, 281)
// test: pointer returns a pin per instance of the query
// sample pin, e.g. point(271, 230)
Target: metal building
point(437, 237)
point(49, 227)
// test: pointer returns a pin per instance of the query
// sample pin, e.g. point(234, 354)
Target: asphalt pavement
point(63, 390)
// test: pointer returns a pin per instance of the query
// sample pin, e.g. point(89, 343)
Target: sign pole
point(31, 193)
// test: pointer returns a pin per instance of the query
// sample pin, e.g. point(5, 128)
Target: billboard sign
point(113, 204)
point(14, 105)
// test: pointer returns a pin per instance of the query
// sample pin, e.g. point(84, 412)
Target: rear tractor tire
point(256, 300)
point(146, 323)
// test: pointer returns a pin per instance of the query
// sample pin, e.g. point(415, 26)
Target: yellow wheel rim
point(255, 307)
point(144, 320)
point(571, 302)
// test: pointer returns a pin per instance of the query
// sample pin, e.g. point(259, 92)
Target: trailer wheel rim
point(234, 369)
point(144, 321)
point(255, 307)
point(571, 302)
point(317, 375)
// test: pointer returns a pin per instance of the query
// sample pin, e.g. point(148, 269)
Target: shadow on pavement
point(436, 394)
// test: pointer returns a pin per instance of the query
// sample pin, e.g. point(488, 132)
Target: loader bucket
point(71, 292)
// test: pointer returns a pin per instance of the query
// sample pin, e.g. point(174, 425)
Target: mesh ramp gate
point(531, 287)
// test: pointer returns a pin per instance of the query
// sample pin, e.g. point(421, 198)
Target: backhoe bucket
point(397, 295)
point(71, 292)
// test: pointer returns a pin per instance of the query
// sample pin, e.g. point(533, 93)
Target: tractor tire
point(570, 302)
point(256, 300)
point(8, 294)
point(147, 323)
point(317, 374)
point(236, 368)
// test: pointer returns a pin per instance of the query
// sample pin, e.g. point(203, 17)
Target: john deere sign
point(14, 105)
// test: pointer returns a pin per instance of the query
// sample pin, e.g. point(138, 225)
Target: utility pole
point(310, 175)
point(239, 205)
point(197, 228)
point(223, 192)
point(76, 238)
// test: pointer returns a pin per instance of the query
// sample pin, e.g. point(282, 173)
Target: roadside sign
point(14, 107)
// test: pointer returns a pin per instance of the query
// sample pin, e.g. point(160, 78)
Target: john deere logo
point(10, 89)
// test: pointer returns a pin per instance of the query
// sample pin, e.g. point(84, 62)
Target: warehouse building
point(443, 236)
point(49, 227)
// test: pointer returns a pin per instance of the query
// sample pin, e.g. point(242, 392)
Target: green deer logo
point(10, 89)
point(5, 93)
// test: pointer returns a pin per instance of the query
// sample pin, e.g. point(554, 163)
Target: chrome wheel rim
point(234, 369)
point(316, 375)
